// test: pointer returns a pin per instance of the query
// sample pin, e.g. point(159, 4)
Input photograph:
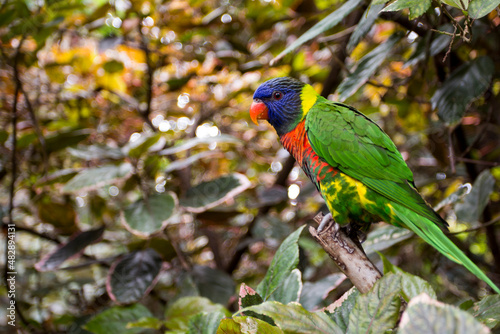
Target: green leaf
point(327, 23)
point(473, 204)
point(96, 152)
point(145, 144)
point(289, 289)
point(417, 8)
point(487, 310)
point(213, 284)
point(314, 293)
point(384, 237)
point(364, 25)
point(183, 163)
point(146, 322)
point(60, 176)
point(411, 286)
point(378, 310)
point(366, 67)
point(115, 320)
point(193, 142)
point(113, 66)
point(426, 315)
point(207, 195)
point(246, 325)
point(72, 248)
point(133, 276)
point(181, 311)
point(480, 8)
point(93, 178)
point(146, 217)
point(293, 318)
point(205, 323)
point(58, 141)
point(248, 297)
point(284, 261)
point(463, 86)
point(341, 309)
point(460, 4)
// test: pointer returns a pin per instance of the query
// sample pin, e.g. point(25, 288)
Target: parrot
point(353, 163)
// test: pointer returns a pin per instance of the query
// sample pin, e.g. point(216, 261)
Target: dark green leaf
point(61, 140)
point(378, 310)
point(327, 23)
point(366, 67)
point(60, 176)
point(464, 85)
point(364, 25)
point(480, 8)
point(133, 276)
point(213, 284)
point(115, 320)
point(144, 145)
point(293, 318)
point(146, 217)
point(209, 194)
point(72, 248)
point(284, 261)
point(314, 293)
point(487, 311)
point(93, 178)
point(473, 204)
point(384, 237)
point(248, 297)
point(426, 315)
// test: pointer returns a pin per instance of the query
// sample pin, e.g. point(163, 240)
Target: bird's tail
point(434, 236)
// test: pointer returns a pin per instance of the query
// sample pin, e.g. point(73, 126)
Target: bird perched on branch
point(353, 163)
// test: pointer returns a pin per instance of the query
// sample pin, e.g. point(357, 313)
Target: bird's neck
point(296, 142)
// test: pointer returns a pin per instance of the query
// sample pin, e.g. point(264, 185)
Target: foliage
point(142, 197)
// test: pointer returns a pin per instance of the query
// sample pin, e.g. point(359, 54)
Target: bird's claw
point(324, 223)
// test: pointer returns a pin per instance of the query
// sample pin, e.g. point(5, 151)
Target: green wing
point(351, 142)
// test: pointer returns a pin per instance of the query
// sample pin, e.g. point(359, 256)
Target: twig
point(347, 255)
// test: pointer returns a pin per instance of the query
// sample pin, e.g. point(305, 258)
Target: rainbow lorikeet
point(353, 163)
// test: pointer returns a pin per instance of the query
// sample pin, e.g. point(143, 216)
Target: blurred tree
point(138, 190)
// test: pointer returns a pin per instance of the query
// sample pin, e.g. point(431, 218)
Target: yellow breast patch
point(308, 97)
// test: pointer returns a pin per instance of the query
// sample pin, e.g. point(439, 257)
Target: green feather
point(433, 235)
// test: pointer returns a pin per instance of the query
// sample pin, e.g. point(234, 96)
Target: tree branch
point(346, 253)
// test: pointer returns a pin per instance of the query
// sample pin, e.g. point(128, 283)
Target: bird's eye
point(277, 95)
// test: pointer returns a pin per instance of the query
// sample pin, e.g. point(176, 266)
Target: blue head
point(279, 102)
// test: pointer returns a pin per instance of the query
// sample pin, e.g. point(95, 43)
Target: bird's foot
point(355, 232)
point(324, 222)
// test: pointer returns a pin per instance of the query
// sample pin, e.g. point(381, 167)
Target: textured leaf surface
point(246, 325)
point(115, 320)
point(463, 86)
point(426, 315)
point(205, 323)
point(473, 204)
point(133, 276)
point(378, 310)
point(327, 23)
point(93, 178)
point(293, 318)
point(341, 309)
point(61, 140)
point(73, 247)
point(416, 8)
point(487, 310)
point(284, 261)
point(314, 293)
point(181, 311)
point(144, 218)
point(207, 195)
point(384, 237)
point(480, 8)
point(365, 68)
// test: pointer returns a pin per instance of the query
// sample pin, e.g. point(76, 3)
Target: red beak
point(258, 110)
